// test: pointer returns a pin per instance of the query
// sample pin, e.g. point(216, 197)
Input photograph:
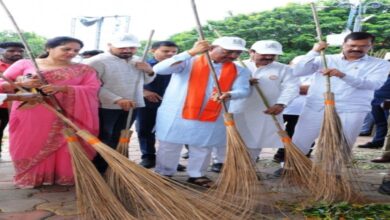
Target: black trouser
point(4, 118)
point(111, 122)
point(145, 123)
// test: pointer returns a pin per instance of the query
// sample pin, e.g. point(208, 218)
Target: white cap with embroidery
point(125, 40)
point(230, 43)
point(267, 47)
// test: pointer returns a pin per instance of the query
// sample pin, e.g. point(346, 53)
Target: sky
point(50, 18)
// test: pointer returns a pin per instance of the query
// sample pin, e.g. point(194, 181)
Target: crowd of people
point(174, 102)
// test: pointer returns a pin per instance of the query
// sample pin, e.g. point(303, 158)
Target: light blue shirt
point(353, 92)
point(170, 126)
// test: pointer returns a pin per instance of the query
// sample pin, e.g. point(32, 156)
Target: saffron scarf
point(196, 91)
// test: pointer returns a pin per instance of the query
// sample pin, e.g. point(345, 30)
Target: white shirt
point(279, 87)
point(120, 79)
point(170, 125)
point(353, 92)
point(2, 98)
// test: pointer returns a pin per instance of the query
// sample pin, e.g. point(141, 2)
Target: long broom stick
point(95, 200)
point(330, 174)
point(30, 54)
point(156, 197)
point(113, 180)
point(297, 165)
point(204, 207)
point(81, 159)
point(237, 182)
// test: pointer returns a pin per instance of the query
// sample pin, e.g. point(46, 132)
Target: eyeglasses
point(358, 46)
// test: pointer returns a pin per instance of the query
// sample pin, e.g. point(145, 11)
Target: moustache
point(355, 51)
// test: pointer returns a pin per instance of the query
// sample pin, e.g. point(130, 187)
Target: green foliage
point(35, 41)
point(347, 211)
point(293, 27)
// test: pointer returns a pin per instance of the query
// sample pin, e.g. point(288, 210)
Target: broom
point(156, 197)
point(297, 165)
point(95, 199)
point(93, 196)
point(123, 147)
point(330, 175)
point(237, 182)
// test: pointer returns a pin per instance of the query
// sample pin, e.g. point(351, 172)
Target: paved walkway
point(58, 202)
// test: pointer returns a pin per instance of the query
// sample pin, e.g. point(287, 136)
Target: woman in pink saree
point(37, 145)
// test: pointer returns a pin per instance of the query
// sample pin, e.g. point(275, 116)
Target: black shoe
point(309, 153)
point(216, 167)
point(181, 168)
point(185, 155)
point(279, 156)
point(385, 188)
point(148, 163)
point(371, 145)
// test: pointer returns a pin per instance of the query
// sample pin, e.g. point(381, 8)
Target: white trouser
point(309, 124)
point(168, 156)
point(219, 154)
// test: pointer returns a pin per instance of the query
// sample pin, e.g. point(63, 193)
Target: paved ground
point(58, 202)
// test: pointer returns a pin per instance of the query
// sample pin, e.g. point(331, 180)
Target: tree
point(35, 41)
point(292, 26)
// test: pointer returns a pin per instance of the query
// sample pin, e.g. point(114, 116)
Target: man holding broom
point(354, 78)
point(191, 111)
point(123, 76)
point(280, 87)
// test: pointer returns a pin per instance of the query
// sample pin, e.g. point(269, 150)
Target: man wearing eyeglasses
point(189, 113)
point(354, 78)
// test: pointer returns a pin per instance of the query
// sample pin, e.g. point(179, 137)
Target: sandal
point(201, 181)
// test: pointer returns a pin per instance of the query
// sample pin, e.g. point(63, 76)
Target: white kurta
point(280, 87)
point(353, 94)
point(170, 126)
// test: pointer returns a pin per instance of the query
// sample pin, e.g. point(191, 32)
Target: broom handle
point(60, 115)
point(213, 72)
point(29, 53)
point(257, 87)
point(319, 36)
point(143, 59)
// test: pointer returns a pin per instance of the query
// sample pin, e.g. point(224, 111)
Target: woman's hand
point(50, 89)
point(29, 81)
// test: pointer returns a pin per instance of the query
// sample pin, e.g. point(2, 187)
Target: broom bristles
point(157, 197)
point(115, 182)
point(238, 182)
point(297, 166)
point(94, 198)
point(330, 174)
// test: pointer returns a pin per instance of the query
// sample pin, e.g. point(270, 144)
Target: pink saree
point(38, 148)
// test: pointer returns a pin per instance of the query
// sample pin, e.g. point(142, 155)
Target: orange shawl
point(197, 84)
